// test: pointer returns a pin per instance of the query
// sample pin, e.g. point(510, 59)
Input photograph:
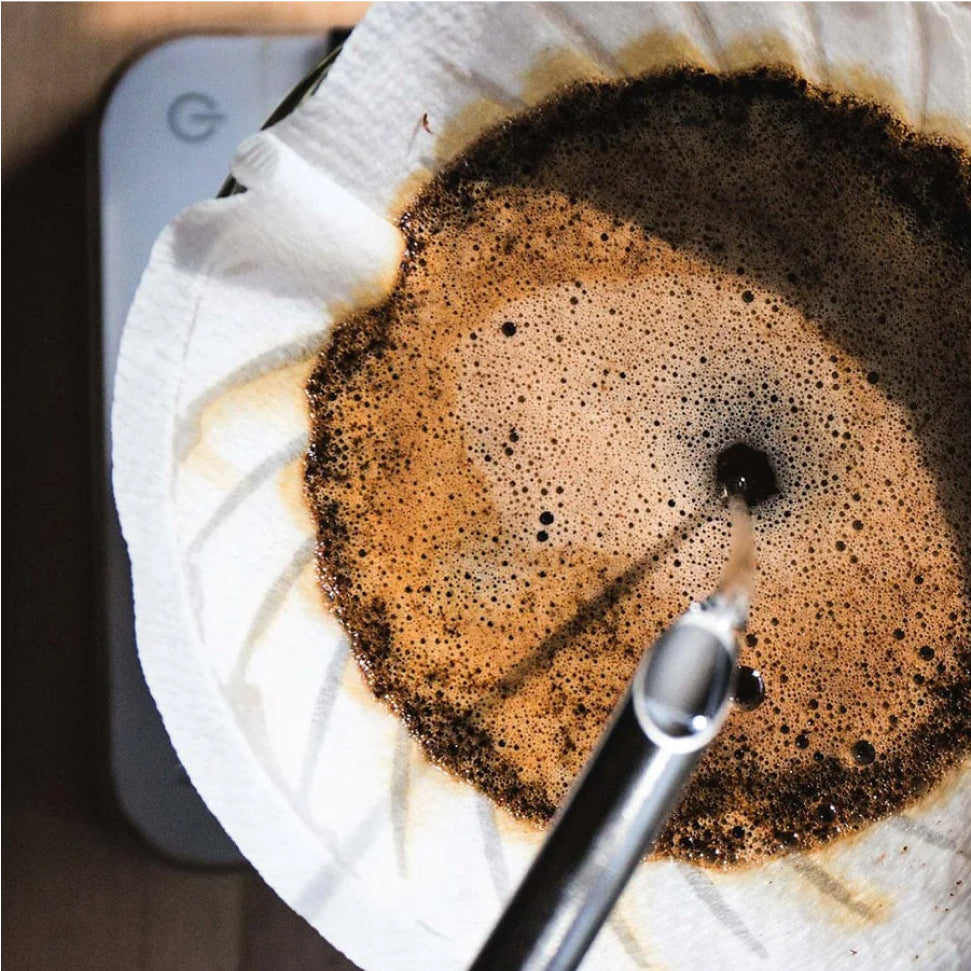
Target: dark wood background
point(80, 891)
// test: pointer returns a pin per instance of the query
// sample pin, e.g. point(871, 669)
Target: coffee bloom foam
point(513, 462)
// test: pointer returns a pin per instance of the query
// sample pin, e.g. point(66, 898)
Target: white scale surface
point(167, 137)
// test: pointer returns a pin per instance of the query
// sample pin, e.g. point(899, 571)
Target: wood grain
point(80, 891)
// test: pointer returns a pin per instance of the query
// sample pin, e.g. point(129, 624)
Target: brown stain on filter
point(860, 82)
point(516, 828)
point(948, 128)
point(205, 461)
point(553, 71)
point(290, 488)
point(308, 587)
point(272, 396)
point(416, 180)
point(460, 131)
point(766, 49)
point(829, 896)
point(658, 51)
point(370, 292)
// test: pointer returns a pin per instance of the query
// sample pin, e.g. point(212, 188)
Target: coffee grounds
point(515, 470)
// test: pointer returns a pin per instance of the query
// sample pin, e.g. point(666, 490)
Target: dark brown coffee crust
point(824, 252)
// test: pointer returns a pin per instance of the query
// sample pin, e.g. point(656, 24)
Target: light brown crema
point(513, 458)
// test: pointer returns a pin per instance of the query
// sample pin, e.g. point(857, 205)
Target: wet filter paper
point(393, 861)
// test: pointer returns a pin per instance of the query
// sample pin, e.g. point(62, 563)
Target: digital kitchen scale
point(167, 136)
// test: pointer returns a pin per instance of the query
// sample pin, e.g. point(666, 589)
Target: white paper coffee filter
point(397, 864)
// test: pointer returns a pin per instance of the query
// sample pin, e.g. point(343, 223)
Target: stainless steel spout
point(675, 705)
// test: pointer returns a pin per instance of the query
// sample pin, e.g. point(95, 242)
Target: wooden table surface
point(80, 890)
